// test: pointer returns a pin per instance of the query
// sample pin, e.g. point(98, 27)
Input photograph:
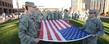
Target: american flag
point(60, 31)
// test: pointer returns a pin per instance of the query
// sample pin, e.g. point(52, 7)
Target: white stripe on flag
point(45, 37)
point(65, 23)
point(59, 34)
point(61, 24)
point(51, 31)
point(57, 25)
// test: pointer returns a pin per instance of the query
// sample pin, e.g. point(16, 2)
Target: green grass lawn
point(9, 33)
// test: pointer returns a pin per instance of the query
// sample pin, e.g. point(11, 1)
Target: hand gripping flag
point(60, 31)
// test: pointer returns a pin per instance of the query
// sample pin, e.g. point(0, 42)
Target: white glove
point(36, 40)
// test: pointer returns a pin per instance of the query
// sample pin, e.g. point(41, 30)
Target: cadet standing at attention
point(49, 15)
point(44, 15)
point(29, 25)
point(66, 15)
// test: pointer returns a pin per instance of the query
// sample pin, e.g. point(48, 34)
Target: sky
point(45, 3)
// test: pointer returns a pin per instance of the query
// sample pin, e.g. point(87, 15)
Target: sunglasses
point(92, 12)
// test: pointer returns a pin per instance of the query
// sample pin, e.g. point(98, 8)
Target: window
point(0, 3)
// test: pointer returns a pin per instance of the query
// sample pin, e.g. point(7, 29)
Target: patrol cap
point(92, 11)
point(31, 4)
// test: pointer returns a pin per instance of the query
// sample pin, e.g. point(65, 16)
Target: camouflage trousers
point(90, 40)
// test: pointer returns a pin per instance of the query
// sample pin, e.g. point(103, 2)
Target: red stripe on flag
point(57, 36)
point(64, 24)
point(67, 22)
point(41, 31)
point(48, 32)
point(59, 24)
point(55, 25)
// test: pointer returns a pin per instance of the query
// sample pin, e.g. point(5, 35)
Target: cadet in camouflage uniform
point(59, 15)
point(44, 15)
point(56, 15)
point(49, 15)
point(66, 15)
point(94, 26)
point(29, 25)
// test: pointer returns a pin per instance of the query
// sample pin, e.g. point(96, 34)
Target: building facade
point(101, 5)
point(6, 6)
point(107, 6)
point(77, 5)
